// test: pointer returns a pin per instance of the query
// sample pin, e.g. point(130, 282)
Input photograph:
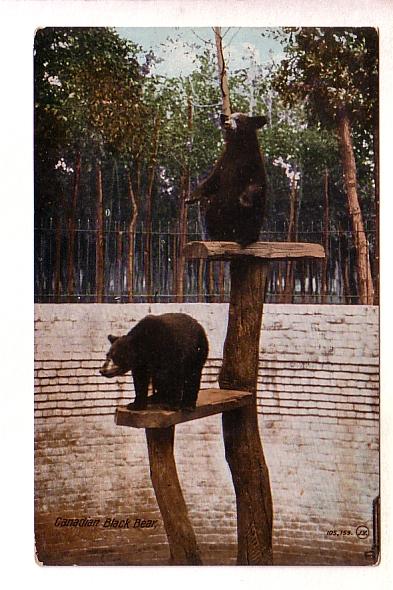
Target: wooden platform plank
point(266, 250)
point(210, 401)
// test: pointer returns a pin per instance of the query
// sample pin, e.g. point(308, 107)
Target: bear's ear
point(223, 118)
point(259, 121)
point(112, 339)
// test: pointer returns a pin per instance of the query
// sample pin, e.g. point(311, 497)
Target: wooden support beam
point(210, 401)
point(181, 538)
point(243, 447)
point(265, 250)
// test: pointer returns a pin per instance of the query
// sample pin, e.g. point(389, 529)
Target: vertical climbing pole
point(243, 448)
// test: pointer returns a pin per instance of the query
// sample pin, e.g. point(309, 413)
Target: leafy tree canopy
point(333, 69)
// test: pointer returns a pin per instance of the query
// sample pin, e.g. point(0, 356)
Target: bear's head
point(118, 360)
point(239, 124)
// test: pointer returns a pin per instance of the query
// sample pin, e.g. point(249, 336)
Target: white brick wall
point(318, 404)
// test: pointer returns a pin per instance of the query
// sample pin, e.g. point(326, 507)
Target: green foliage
point(333, 69)
point(87, 100)
point(93, 97)
point(88, 81)
point(327, 71)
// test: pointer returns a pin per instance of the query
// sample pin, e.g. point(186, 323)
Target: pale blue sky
point(238, 42)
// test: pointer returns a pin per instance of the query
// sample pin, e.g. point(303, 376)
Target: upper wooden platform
point(210, 401)
point(265, 250)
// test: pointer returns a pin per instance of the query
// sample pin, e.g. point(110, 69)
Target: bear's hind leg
point(175, 387)
point(157, 397)
point(169, 391)
point(191, 388)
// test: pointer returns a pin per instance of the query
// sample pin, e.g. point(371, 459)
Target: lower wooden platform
point(210, 401)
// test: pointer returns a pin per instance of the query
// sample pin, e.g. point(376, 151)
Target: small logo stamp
point(362, 532)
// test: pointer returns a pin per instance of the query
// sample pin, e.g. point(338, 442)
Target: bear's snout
point(110, 369)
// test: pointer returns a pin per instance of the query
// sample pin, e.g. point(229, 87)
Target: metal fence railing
point(144, 265)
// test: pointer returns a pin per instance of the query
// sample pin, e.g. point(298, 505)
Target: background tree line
point(118, 150)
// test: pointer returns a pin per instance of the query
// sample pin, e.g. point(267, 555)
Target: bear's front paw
point(136, 406)
point(188, 408)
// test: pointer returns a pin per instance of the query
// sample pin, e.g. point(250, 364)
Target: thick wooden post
point(181, 537)
point(243, 448)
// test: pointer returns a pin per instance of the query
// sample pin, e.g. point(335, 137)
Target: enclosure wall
point(318, 417)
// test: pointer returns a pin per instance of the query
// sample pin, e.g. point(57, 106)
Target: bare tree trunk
point(303, 281)
point(344, 263)
point(184, 195)
point(71, 229)
point(280, 266)
point(325, 277)
point(221, 285)
point(376, 181)
point(182, 225)
point(347, 285)
point(310, 281)
point(210, 270)
point(58, 258)
point(226, 109)
point(365, 283)
point(201, 264)
point(291, 237)
point(100, 243)
point(222, 73)
point(131, 237)
point(149, 207)
point(119, 257)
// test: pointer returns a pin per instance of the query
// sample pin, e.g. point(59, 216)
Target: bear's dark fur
point(168, 350)
point(233, 195)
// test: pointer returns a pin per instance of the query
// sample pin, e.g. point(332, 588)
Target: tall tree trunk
point(226, 110)
point(376, 182)
point(201, 264)
point(279, 288)
point(325, 274)
point(100, 242)
point(184, 195)
point(210, 281)
point(119, 260)
point(57, 277)
point(221, 282)
point(131, 236)
point(365, 283)
point(310, 282)
point(181, 242)
point(291, 237)
point(222, 73)
point(149, 208)
point(303, 281)
point(344, 264)
point(71, 229)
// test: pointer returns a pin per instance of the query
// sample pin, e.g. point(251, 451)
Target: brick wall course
point(318, 416)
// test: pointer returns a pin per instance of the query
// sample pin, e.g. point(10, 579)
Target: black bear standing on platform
point(168, 350)
point(233, 195)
